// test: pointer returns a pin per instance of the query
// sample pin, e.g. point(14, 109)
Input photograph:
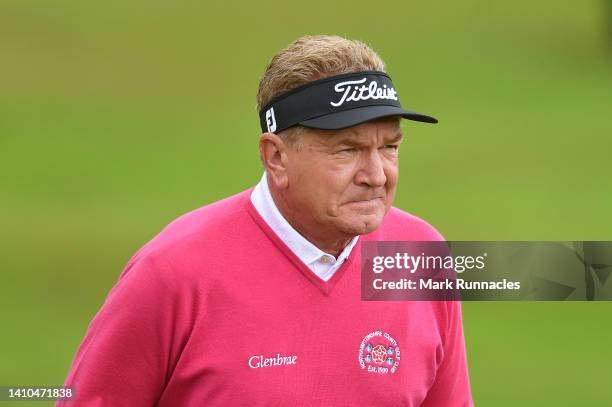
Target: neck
point(316, 234)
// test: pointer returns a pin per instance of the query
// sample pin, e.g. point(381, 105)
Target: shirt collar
point(302, 247)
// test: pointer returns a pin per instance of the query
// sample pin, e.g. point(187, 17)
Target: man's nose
point(371, 170)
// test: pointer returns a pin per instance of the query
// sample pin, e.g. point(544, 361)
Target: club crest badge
point(379, 353)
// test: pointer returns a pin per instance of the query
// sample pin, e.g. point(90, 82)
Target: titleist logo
point(363, 92)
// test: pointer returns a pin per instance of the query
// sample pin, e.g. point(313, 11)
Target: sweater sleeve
point(451, 386)
point(133, 342)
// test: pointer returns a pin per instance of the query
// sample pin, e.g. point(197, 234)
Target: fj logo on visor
point(271, 120)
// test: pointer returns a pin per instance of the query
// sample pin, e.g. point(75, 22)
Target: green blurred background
point(118, 116)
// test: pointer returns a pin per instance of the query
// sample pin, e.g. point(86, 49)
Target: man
point(255, 299)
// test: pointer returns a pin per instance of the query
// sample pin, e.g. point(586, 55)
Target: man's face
point(344, 181)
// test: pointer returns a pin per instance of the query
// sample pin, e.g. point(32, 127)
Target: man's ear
point(273, 153)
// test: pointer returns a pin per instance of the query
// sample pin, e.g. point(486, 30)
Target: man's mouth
point(371, 200)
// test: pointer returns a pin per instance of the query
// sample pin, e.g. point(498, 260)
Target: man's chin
point(363, 225)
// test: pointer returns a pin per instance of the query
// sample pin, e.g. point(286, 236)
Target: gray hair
point(310, 58)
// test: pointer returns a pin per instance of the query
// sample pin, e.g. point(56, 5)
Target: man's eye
point(391, 147)
point(347, 150)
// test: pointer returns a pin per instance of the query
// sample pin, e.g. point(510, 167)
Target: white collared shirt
point(324, 265)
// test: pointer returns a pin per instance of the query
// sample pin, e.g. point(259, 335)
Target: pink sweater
point(217, 311)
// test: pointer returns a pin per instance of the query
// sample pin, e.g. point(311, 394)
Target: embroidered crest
point(379, 353)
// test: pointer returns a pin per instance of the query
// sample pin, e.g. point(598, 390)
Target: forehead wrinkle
point(351, 136)
point(357, 138)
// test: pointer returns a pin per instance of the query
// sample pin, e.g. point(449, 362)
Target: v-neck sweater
point(216, 310)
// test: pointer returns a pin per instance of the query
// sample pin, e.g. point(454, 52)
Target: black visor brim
point(353, 117)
